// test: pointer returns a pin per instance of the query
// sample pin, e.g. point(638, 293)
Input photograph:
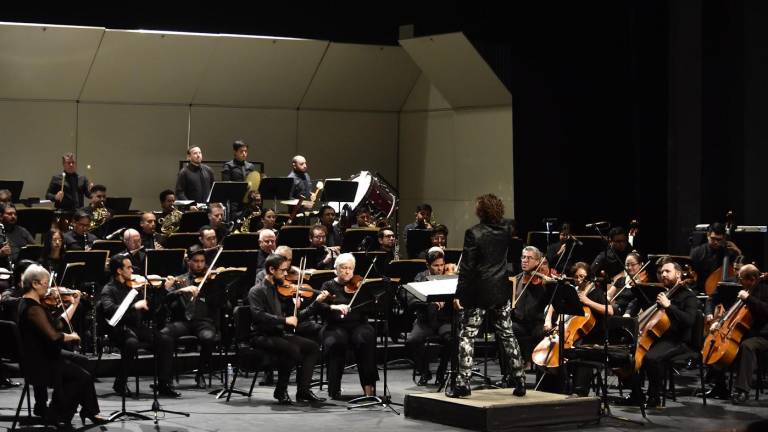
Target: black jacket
point(483, 280)
point(757, 303)
point(235, 170)
point(194, 183)
point(267, 312)
point(73, 198)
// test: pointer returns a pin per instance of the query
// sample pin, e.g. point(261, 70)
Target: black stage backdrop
point(650, 110)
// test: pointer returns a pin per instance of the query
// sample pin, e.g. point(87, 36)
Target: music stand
point(417, 240)
point(15, 187)
point(339, 191)
point(276, 189)
point(363, 260)
point(165, 262)
point(36, 220)
point(726, 293)
point(294, 236)
point(119, 221)
point(228, 192)
point(111, 246)
point(452, 255)
point(299, 253)
point(118, 205)
point(405, 270)
point(318, 277)
point(354, 237)
point(182, 240)
point(192, 221)
point(375, 295)
point(241, 241)
point(31, 252)
point(94, 263)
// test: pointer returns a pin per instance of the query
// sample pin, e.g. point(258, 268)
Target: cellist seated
point(681, 309)
point(755, 342)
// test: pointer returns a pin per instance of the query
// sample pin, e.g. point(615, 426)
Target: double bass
point(722, 344)
point(727, 269)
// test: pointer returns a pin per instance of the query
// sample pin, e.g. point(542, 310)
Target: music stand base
point(127, 414)
point(369, 401)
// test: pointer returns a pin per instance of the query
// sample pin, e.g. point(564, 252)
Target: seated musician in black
point(327, 217)
point(150, 238)
point(612, 263)
point(16, 236)
point(592, 296)
point(79, 238)
point(133, 249)
point(130, 329)
point(267, 242)
point(528, 314)
point(681, 309)
point(386, 241)
point(437, 238)
point(42, 346)
point(216, 221)
point(192, 314)
point(707, 257)
point(558, 253)
point(273, 333)
point(347, 328)
point(755, 343)
point(621, 290)
point(322, 256)
point(207, 237)
point(432, 319)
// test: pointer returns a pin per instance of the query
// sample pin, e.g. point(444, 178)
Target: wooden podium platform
point(498, 410)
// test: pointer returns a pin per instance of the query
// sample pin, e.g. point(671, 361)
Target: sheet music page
point(123, 307)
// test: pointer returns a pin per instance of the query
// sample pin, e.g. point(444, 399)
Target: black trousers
point(129, 339)
point(292, 351)
point(205, 332)
point(361, 337)
point(77, 363)
point(416, 343)
point(654, 366)
point(72, 386)
point(528, 334)
point(747, 360)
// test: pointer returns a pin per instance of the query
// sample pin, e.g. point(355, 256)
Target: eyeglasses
point(389, 235)
point(527, 258)
point(282, 269)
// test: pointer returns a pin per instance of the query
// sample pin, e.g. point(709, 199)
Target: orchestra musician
point(52, 257)
point(130, 329)
point(322, 256)
point(150, 238)
point(6, 197)
point(42, 346)
point(528, 315)
point(437, 238)
point(207, 237)
point(194, 181)
point(97, 209)
point(707, 257)
point(16, 236)
point(71, 195)
point(612, 263)
point(285, 252)
point(423, 216)
point(333, 232)
point(483, 285)
point(347, 327)
point(267, 242)
point(270, 324)
point(432, 319)
point(133, 249)
point(363, 218)
point(237, 169)
point(268, 219)
point(79, 238)
point(302, 184)
point(193, 321)
point(754, 294)
point(557, 253)
point(623, 304)
point(169, 218)
point(681, 310)
point(216, 221)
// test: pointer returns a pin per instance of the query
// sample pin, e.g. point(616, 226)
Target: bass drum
point(372, 193)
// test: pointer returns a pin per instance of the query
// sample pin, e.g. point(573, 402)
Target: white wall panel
point(362, 77)
point(270, 134)
point(133, 149)
point(147, 67)
point(34, 136)
point(259, 72)
point(45, 62)
point(425, 97)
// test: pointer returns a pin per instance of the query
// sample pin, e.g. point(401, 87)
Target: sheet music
point(434, 290)
point(127, 301)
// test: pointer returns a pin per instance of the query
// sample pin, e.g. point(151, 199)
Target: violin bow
point(362, 282)
point(632, 278)
point(522, 291)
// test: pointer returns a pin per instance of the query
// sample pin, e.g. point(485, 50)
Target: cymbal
point(254, 180)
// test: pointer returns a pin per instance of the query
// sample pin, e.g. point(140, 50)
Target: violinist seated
point(620, 292)
point(612, 260)
point(681, 309)
point(531, 300)
point(755, 343)
point(593, 297)
point(432, 319)
point(79, 238)
point(322, 256)
point(42, 347)
point(307, 328)
point(273, 332)
point(130, 329)
point(708, 257)
point(347, 327)
point(198, 320)
point(267, 242)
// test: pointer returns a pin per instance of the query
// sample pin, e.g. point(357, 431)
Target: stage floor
point(259, 413)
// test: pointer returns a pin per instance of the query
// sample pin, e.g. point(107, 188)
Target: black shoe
point(653, 402)
point(739, 397)
point(95, 419)
point(335, 394)
point(718, 392)
point(6, 383)
point(40, 410)
point(425, 378)
point(165, 389)
point(519, 384)
point(282, 397)
point(122, 389)
point(458, 391)
point(308, 396)
point(631, 400)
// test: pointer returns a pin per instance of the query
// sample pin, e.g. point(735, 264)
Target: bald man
point(754, 294)
point(267, 243)
point(134, 249)
point(302, 184)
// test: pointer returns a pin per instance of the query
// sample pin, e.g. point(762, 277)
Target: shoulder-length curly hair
point(490, 209)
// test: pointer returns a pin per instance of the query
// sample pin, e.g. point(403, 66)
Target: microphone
point(549, 220)
point(597, 224)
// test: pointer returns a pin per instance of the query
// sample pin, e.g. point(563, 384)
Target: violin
point(220, 270)
point(65, 296)
point(353, 284)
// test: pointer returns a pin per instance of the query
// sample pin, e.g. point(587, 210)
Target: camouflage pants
point(471, 319)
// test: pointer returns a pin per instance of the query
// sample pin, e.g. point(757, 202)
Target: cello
point(722, 344)
point(726, 270)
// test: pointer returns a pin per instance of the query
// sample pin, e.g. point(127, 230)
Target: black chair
point(247, 358)
point(692, 354)
point(11, 354)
